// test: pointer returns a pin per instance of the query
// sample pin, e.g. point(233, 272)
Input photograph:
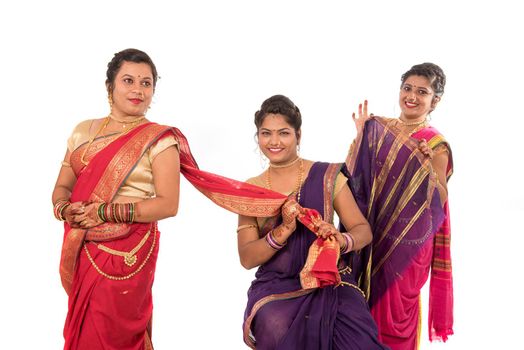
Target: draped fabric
point(110, 302)
point(395, 188)
point(281, 314)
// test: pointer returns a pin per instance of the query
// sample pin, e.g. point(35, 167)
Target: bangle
point(120, 213)
point(272, 242)
point(59, 207)
point(350, 243)
point(242, 227)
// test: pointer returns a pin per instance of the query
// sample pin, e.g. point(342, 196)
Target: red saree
point(396, 189)
point(110, 301)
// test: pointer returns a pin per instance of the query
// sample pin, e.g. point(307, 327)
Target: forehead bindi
point(136, 70)
point(417, 81)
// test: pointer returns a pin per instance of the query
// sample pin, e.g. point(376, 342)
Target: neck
point(413, 121)
point(285, 164)
point(126, 119)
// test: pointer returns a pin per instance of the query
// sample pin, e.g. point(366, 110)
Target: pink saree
point(396, 189)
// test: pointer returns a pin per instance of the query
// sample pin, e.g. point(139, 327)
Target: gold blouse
point(139, 183)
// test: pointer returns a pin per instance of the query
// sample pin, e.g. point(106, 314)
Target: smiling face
point(417, 98)
point(132, 89)
point(277, 139)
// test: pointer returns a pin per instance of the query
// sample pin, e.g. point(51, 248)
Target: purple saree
point(282, 315)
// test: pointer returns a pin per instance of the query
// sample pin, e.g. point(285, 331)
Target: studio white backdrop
point(218, 60)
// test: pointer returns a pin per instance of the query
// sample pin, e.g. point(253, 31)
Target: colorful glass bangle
point(272, 242)
point(350, 242)
point(59, 207)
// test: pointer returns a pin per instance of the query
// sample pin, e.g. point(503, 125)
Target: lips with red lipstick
point(135, 101)
point(410, 104)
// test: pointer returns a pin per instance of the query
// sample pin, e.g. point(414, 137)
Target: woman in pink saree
point(399, 170)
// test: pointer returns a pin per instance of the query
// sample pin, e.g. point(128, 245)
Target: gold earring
point(110, 100)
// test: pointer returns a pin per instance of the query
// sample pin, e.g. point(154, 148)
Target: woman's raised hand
point(363, 116)
point(87, 215)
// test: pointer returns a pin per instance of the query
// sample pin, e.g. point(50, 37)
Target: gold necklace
point(92, 139)
point(125, 122)
point(277, 166)
point(299, 180)
point(413, 123)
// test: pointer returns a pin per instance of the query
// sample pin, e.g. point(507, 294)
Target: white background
point(218, 61)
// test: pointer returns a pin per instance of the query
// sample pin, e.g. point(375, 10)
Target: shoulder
point(259, 180)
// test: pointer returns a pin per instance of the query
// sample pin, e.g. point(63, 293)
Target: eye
point(285, 133)
point(406, 88)
point(423, 92)
point(128, 81)
point(146, 83)
point(264, 133)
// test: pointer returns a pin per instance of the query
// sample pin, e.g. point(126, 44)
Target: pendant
point(130, 260)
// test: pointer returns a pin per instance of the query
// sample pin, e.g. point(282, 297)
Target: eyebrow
point(419, 87)
point(131, 76)
point(275, 129)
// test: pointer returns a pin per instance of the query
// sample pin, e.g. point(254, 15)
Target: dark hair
point(128, 55)
point(279, 104)
point(432, 72)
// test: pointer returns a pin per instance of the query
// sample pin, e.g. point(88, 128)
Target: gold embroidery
point(129, 257)
point(125, 277)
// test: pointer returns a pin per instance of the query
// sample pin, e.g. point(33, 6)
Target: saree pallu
point(281, 314)
point(395, 188)
point(110, 301)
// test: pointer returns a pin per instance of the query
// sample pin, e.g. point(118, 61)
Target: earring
point(110, 100)
point(263, 159)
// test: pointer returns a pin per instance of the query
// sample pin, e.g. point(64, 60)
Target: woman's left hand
point(326, 230)
point(425, 149)
point(89, 218)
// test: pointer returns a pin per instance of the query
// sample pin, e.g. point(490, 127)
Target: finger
point(365, 107)
point(360, 109)
point(353, 116)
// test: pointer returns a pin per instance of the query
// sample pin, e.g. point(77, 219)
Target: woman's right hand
point(363, 116)
point(71, 211)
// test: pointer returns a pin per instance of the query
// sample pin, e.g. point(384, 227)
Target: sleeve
point(161, 145)
point(79, 135)
point(340, 182)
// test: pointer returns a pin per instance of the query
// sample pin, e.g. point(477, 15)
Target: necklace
point(299, 179)
point(413, 123)
point(126, 122)
point(92, 139)
point(286, 165)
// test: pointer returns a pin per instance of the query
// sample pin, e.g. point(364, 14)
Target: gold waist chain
point(130, 257)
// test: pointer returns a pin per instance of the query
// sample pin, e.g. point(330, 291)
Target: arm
point(439, 161)
point(440, 165)
point(254, 251)
point(166, 178)
point(352, 219)
point(62, 192)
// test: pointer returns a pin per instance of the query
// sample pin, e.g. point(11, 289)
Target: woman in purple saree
point(287, 308)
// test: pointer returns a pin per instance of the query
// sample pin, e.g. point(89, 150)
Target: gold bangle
point(242, 227)
point(66, 164)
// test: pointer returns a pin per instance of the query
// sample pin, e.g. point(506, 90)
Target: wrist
point(120, 213)
point(273, 243)
point(59, 208)
point(349, 243)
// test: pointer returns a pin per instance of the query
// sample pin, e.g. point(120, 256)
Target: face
point(133, 89)
point(277, 139)
point(417, 98)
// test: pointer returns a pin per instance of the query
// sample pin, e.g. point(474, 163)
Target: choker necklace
point(125, 122)
point(298, 188)
point(413, 123)
point(286, 165)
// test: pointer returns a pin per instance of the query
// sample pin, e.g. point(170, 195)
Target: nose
point(274, 140)
point(412, 96)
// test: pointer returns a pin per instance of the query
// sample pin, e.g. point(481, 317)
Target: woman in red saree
point(120, 175)
point(399, 170)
